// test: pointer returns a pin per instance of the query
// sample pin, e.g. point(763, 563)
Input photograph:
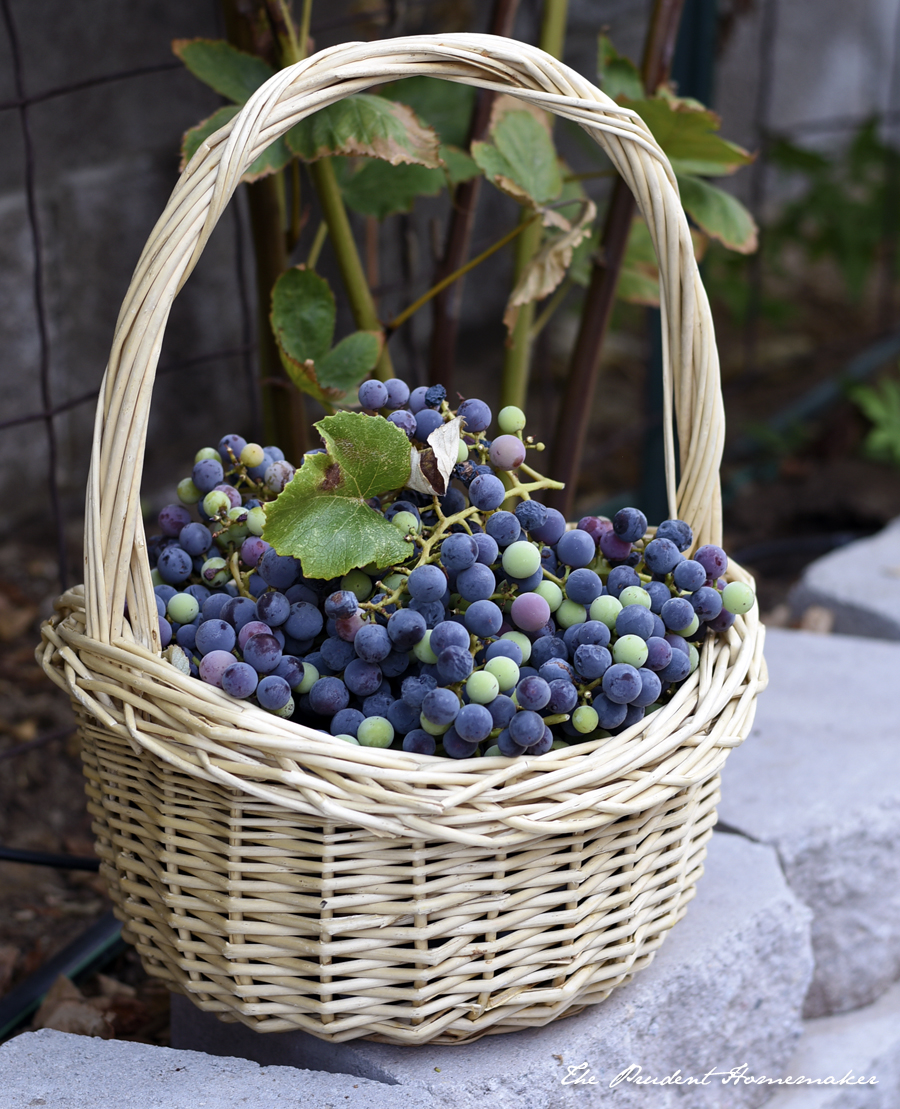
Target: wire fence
point(390, 14)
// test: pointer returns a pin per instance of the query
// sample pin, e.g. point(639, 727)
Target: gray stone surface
point(859, 583)
point(861, 1044)
point(60, 1071)
point(817, 779)
point(725, 989)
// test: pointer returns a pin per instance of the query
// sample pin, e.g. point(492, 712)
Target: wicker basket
point(291, 882)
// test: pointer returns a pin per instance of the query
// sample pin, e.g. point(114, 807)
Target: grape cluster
point(506, 632)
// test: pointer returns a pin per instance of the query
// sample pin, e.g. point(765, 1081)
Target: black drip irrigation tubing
point(47, 858)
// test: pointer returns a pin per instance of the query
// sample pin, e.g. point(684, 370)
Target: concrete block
point(725, 989)
point(859, 583)
point(817, 779)
point(864, 1044)
point(60, 1071)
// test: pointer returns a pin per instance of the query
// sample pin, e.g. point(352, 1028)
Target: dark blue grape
point(635, 620)
point(346, 722)
point(362, 678)
point(435, 395)
point(722, 622)
point(328, 696)
point(633, 715)
point(546, 648)
point(678, 531)
point(195, 538)
point(417, 399)
point(405, 628)
point(473, 723)
point(650, 688)
point(487, 492)
point(397, 393)
point(427, 421)
point(526, 728)
point(427, 583)
point(533, 693)
point(215, 635)
point(173, 519)
point(280, 571)
point(661, 556)
point(476, 413)
point(454, 664)
point(263, 652)
point(372, 643)
point(592, 661)
point(230, 446)
point(620, 577)
point(563, 696)
point(239, 611)
point(165, 593)
point(207, 474)
point(342, 603)
point(592, 631)
point(373, 395)
point(503, 528)
point(552, 529)
point(458, 552)
point(504, 648)
point(556, 668)
point(678, 669)
point(440, 706)
point(305, 621)
point(455, 747)
point(576, 549)
point(406, 421)
point(713, 560)
point(301, 592)
point(403, 717)
point(677, 613)
point(432, 612)
point(453, 501)
point(706, 602)
point(502, 710)
point(174, 565)
point(272, 692)
point(659, 653)
point(415, 687)
point(449, 634)
point(488, 549)
point(621, 683)
point(543, 745)
point(689, 575)
point(378, 704)
point(583, 586)
point(419, 742)
point(186, 637)
point(659, 594)
point(476, 583)
point(401, 506)
point(531, 515)
point(273, 608)
point(291, 669)
point(610, 713)
point(529, 584)
point(483, 618)
point(338, 653)
point(629, 524)
point(211, 608)
point(508, 745)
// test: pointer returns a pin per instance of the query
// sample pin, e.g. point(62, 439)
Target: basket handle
point(116, 563)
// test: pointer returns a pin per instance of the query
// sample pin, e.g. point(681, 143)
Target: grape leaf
point(687, 133)
point(460, 167)
point(617, 75)
point(321, 516)
point(366, 125)
point(380, 189)
point(348, 362)
point(521, 159)
point(272, 159)
point(445, 105)
point(719, 214)
point(223, 67)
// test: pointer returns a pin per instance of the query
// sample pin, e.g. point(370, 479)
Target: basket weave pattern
point(289, 881)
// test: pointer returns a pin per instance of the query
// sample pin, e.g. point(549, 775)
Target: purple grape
point(252, 627)
point(174, 565)
point(507, 452)
point(678, 531)
point(240, 680)
point(207, 474)
point(273, 608)
point(659, 653)
point(543, 745)
point(706, 602)
point(563, 696)
point(533, 693)
point(576, 549)
point(373, 395)
point(362, 678)
point(629, 524)
point(530, 611)
point(239, 611)
point(263, 652)
point(252, 550)
point(328, 696)
point(476, 413)
point(713, 560)
point(592, 661)
point(508, 746)
point(651, 687)
point(406, 421)
point(486, 493)
point(342, 603)
point(395, 664)
point(455, 747)
point(173, 519)
point(419, 742)
point(291, 669)
point(417, 399)
point(214, 665)
point(678, 669)
point(230, 446)
point(722, 622)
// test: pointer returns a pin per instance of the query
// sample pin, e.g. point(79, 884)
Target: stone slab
point(857, 1045)
point(859, 583)
point(726, 988)
point(817, 779)
point(60, 1071)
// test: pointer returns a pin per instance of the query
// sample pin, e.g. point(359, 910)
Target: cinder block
point(817, 779)
point(726, 988)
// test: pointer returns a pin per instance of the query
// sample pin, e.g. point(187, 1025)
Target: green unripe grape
point(358, 583)
point(375, 731)
point(309, 679)
point(462, 452)
point(252, 455)
point(504, 670)
point(393, 581)
point(738, 598)
point(238, 528)
point(551, 593)
point(634, 595)
point(655, 707)
point(407, 523)
point(585, 719)
point(521, 559)
point(183, 608)
point(216, 502)
point(215, 572)
point(691, 627)
point(493, 752)
point(156, 577)
point(424, 653)
point(694, 656)
point(188, 493)
point(347, 738)
point(558, 745)
point(569, 613)
point(482, 687)
point(256, 520)
point(523, 642)
point(286, 710)
point(631, 649)
point(510, 419)
point(427, 726)
point(207, 452)
point(606, 609)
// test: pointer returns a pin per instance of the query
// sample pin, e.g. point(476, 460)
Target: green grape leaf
point(617, 75)
point(445, 105)
point(303, 314)
point(348, 362)
point(321, 516)
point(718, 214)
point(687, 133)
point(272, 159)
point(366, 125)
point(380, 189)
point(521, 159)
point(460, 167)
point(639, 275)
point(223, 67)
